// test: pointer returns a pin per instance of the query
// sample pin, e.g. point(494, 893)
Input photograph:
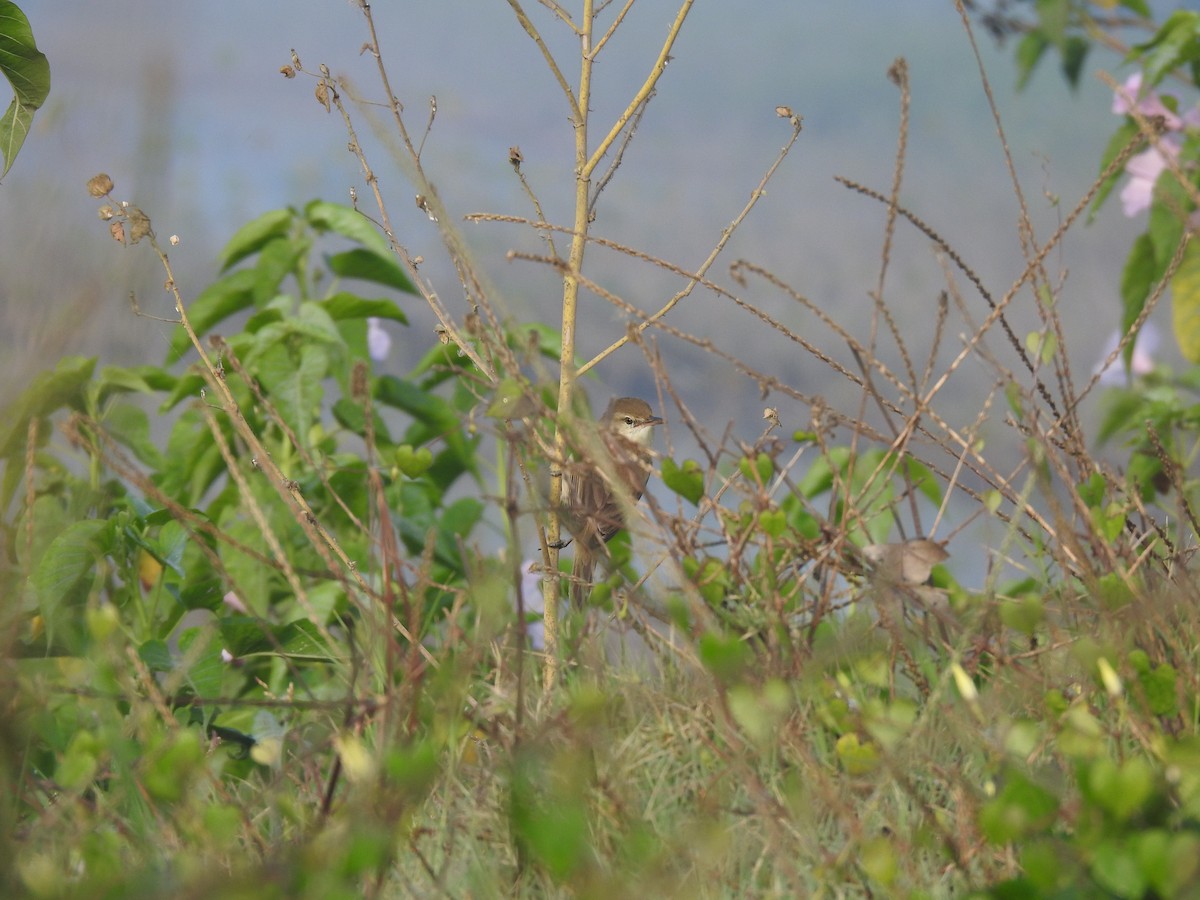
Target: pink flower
point(1125, 100)
point(1144, 169)
point(234, 602)
point(1142, 362)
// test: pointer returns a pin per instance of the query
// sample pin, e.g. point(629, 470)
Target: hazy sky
point(183, 105)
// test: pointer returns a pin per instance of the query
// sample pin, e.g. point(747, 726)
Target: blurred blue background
point(183, 105)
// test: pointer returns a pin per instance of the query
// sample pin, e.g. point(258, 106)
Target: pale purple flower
point(1142, 362)
point(234, 602)
point(379, 342)
point(1144, 169)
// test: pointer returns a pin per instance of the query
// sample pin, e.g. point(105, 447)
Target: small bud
point(287, 71)
point(106, 212)
point(117, 230)
point(99, 185)
point(515, 157)
point(174, 240)
point(1109, 677)
point(322, 93)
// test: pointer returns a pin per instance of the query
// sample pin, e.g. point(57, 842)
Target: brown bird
point(598, 489)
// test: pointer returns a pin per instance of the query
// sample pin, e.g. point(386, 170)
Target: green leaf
point(1021, 808)
point(1168, 214)
point(1120, 139)
point(855, 756)
point(28, 72)
point(687, 480)
point(348, 222)
point(413, 462)
point(1053, 18)
point(219, 300)
point(49, 392)
point(350, 306)
point(427, 408)
point(457, 522)
point(350, 415)
point(368, 265)
point(130, 425)
point(278, 259)
point(1116, 869)
point(64, 572)
point(1029, 53)
point(1160, 687)
point(245, 636)
point(1185, 304)
point(1074, 52)
point(1137, 279)
point(294, 382)
point(135, 379)
point(1175, 44)
point(725, 657)
point(923, 480)
point(252, 236)
point(757, 470)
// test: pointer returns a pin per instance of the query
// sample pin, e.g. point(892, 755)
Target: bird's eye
point(629, 420)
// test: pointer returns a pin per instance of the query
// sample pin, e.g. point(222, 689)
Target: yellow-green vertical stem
point(566, 379)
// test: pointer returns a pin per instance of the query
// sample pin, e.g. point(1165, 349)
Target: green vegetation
point(265, 631)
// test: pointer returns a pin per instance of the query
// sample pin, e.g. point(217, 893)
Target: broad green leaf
point(423, 406)
point(247, 636)
point(350, 415)
point(1029, 53)
point(368, 265)
point(278, 259)
point(413, 462)
point(28, 72)
point(350, 306)
point(1141, 7)
point(49, 392)
point(1120, 139)
point(857, 757)
point(64, 572)
point(1021, 808)
point(252, 236)
point(1185, 304)
point(294, 382)
point(1116, 869)
point(1137, 279)
point(725, 657)
point(130, 425)
point(219, 300)
point(1175, 44)
point(135, 379)
point(348, 222)
point(923, 480)
point(1074, 52)
point(1168, 214)
point(1053, 18)
point(686, 480)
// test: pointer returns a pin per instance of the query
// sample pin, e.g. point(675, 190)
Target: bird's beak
point(653, 420)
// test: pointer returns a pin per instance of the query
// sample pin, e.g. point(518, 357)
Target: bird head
point(632, 420)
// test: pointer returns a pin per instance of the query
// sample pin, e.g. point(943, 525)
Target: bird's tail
point(583, 566)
